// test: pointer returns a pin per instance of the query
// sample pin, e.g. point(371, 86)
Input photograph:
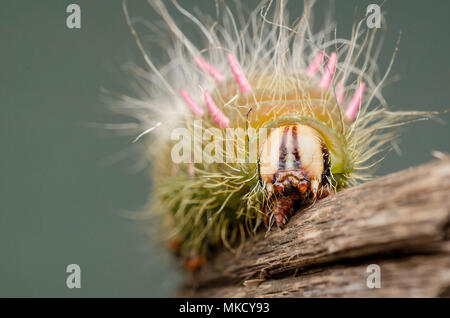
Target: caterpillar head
point(294, 167)
point(305, 155)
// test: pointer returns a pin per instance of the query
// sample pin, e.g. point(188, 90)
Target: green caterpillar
point(264, 119)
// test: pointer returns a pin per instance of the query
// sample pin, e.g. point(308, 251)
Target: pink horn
point(327, 76)
point(197, 110)
point(353, 106)
point(208, 68)
point(314, 66)
point(340, 93)
point(239, 76)
point(219, 117)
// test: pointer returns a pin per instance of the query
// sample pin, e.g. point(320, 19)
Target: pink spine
point(208, 68)
point(315, 64)
point(353, 106)
point(197, 110)
point(219, 117)
point(239, 76)
point(327, 76)
point(340, 93)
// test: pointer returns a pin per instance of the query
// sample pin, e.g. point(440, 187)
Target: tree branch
point(400, 222)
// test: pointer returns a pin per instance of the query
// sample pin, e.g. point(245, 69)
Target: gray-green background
point(59, 204)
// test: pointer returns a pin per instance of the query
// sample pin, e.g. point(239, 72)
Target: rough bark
point(400, 222)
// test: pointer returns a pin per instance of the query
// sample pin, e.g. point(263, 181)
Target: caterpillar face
point(295, 167)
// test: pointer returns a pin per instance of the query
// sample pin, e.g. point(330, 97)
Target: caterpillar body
point(306, 115)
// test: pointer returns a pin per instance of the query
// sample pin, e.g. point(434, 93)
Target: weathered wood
point(416, 276)
point(400, 220)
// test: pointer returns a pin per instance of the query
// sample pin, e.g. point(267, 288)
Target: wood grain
point(400, 221)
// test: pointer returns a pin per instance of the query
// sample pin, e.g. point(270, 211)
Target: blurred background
point(62, 193)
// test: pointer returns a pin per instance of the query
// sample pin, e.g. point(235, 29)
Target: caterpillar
point(266, 118)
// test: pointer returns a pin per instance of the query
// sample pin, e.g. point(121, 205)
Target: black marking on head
point(326, 165)
point(297, 162)
point(283, 150)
